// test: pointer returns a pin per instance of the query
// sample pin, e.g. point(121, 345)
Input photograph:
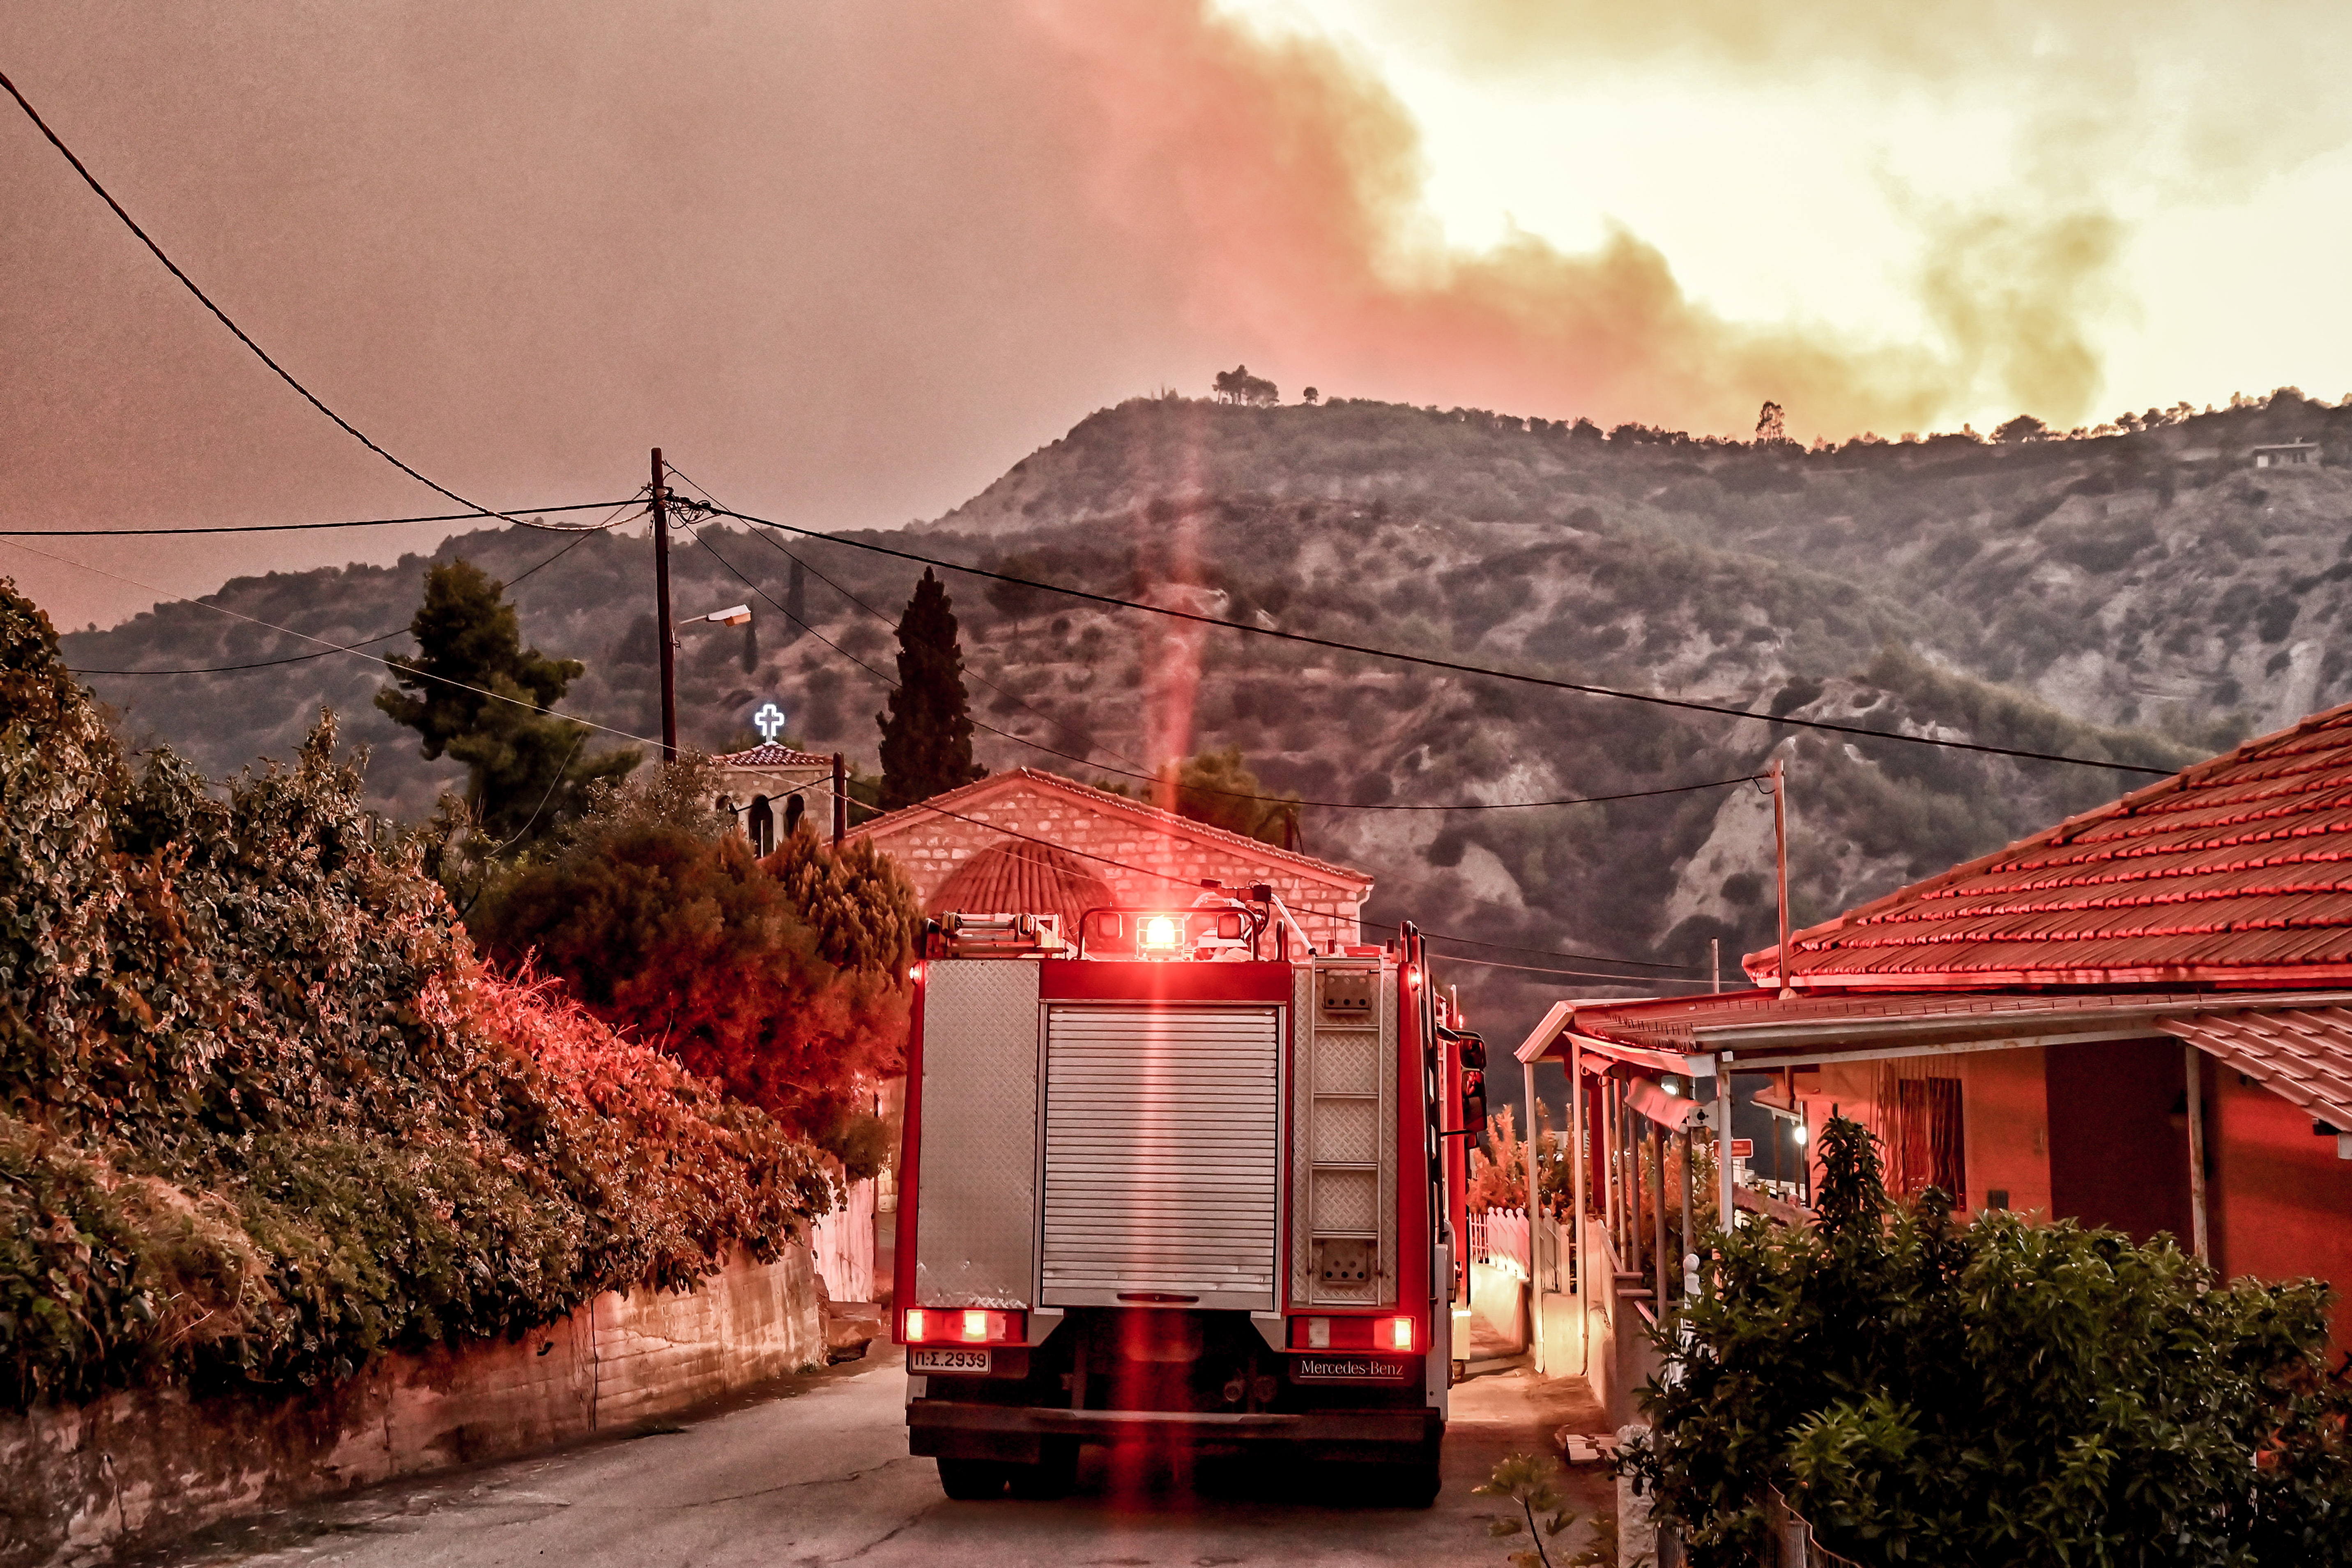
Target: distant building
point(2290, 455)
point(771, 788)
point(1030, 842)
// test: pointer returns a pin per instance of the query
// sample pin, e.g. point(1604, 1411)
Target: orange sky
point(846, 263)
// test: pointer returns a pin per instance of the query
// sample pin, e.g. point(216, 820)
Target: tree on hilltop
point(927, 733)
point(1238, 386)
point(475, 693)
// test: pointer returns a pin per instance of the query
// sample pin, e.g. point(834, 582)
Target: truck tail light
point(961, 1325)
point(1400, 1333)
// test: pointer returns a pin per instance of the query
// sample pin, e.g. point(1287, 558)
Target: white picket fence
point(1499, 1237)
point(843, 1240)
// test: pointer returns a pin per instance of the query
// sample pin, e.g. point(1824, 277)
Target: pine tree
point(475, 693)
point(927, 734)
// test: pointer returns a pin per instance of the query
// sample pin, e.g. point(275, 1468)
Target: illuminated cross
point(769, 721)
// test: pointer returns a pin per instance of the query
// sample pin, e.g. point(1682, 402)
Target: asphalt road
point(815, 1471)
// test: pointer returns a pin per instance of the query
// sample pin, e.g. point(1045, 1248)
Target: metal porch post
point(2197, 1155)
point(1583, 1280)
point(1728, 1213)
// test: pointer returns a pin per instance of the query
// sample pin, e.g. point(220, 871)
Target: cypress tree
point(927, 734)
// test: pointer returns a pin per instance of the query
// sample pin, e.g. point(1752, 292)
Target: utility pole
point(661, 611)
point(1781, 861)
point(840, 799)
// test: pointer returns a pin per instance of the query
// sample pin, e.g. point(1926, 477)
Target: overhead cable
point(324, 652)
point(303, 527)
point(1454, 667)
point(1194, 883)
point(329, 645)
point(241, 335)
point(1012, 697)
point(1231, 794)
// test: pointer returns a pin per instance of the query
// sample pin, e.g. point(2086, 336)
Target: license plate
point(1348, 1369)
point(969, 1363)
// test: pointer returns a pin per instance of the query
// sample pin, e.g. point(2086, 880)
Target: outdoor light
point(1799, 1135)
point(1671, 1085)
point(915, 1324)
point(732, 616)
point(1161, 933)
point(914, 974)
point(1412, 975)
point(1401, 1334)
point(975, 1325)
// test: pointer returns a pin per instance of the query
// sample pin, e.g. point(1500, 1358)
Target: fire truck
point(1180, 1179)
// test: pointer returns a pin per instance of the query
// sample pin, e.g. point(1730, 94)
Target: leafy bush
point(2000, 1391)
point(265, 1113)
point(782, 980)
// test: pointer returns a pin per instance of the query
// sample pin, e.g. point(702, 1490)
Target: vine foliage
point(264, 1114)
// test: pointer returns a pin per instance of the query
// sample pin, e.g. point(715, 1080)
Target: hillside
point(2146, 597)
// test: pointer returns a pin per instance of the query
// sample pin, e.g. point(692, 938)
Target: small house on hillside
point(2140, 1018)
point(771, 788)
point(2287, 455)
point(1036, 842)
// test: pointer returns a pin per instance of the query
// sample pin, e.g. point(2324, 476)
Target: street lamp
point(733, 615)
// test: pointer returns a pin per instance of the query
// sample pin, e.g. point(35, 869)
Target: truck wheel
point(972, 1480)
point(1052, 1475)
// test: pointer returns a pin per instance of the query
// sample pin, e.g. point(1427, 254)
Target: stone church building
point(1034, 842)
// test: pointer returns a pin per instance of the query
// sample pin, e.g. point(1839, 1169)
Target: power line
point(1454, 667)
point(1194, 884)
point(302, 527)
point(326, 652)
point(242, 336)
point(330, 647)
point(1013, 697)
point(1230, 793)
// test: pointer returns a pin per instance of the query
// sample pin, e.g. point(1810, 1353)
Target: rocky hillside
point(2146, 597)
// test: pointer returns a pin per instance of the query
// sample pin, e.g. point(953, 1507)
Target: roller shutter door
point(1162, 1155)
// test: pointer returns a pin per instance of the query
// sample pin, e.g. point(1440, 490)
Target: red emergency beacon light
point(1176, 1175)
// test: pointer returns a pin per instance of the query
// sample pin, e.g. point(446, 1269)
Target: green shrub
point(264, 1114)
point(1998, 1393)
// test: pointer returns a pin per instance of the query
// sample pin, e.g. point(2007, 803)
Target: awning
point(2302, 1056)
point(1668, 1111)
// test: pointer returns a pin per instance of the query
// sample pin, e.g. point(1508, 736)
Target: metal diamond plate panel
point(1348, 1064)
point(1346, 1132)
point(1302, 1093)
point(1347, 1202)
point(976, 1184)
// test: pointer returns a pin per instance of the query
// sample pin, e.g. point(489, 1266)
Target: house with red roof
point(1027, 841)
point(2140, 1018)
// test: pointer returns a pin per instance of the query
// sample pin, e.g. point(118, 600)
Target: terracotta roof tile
point(773, 757)
point(974, 797)
point(2238, 869)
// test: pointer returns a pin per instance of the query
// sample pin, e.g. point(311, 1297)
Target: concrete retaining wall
point(1498, 1297)
point(142, 1468)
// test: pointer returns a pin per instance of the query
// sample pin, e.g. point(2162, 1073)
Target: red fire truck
point(1179, 1179)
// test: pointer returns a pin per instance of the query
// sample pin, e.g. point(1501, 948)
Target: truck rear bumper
point(1018, 1434)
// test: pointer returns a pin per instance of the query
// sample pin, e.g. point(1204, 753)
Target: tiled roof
point(2237, 871)
point(1014, 875)
point(773, 757)
point(976, 795)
